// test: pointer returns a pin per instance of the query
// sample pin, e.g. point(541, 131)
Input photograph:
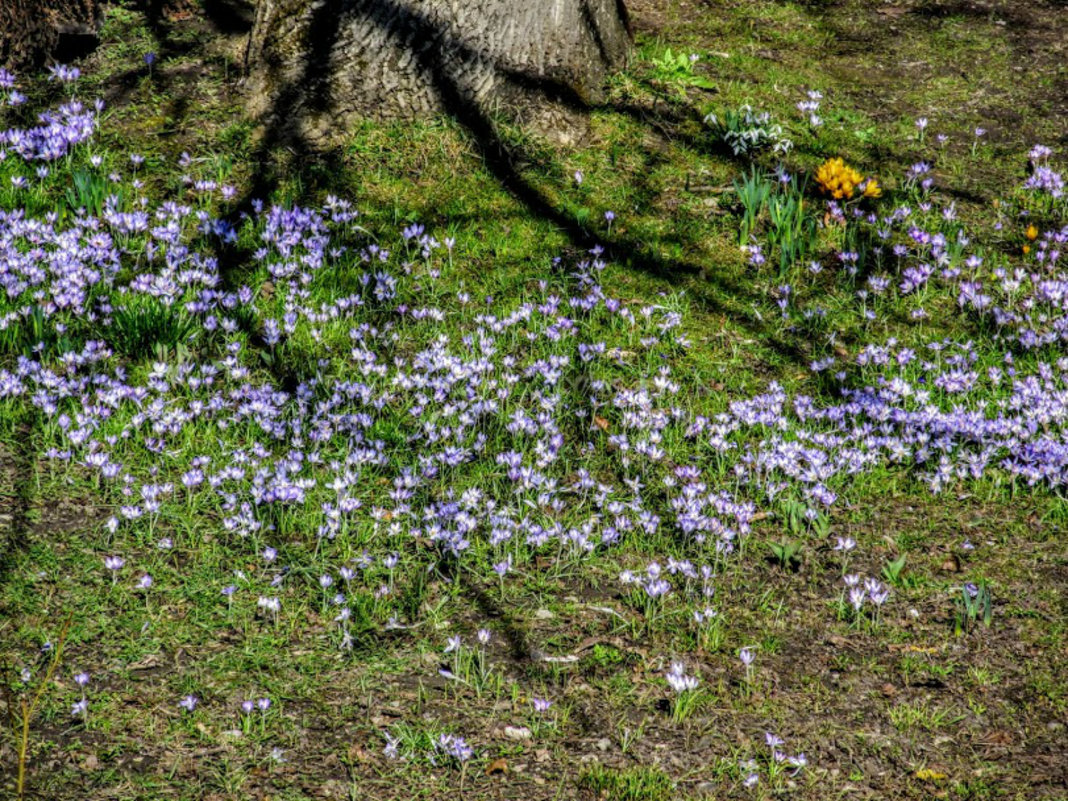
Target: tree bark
point(35, 31)
point(320, 64)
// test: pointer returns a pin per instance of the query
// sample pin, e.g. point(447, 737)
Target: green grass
point(636, 784)
point(818, 680)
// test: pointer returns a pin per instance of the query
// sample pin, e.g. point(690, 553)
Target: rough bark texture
point(320, 63)
point(36, 31)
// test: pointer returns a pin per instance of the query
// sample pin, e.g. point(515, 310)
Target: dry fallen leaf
point(149, 662)
point(357, 753)
point(998, 737)
point(497, 766)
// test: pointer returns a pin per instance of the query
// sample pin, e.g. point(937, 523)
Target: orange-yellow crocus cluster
point(841, 181)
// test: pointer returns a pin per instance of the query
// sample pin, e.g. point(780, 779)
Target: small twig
point(20, 725)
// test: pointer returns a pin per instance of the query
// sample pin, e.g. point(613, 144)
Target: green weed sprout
point(753, 191)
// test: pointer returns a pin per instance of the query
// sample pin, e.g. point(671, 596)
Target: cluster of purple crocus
point(947, 409)
point(58, 130)
point(777, 763)
point(500, 430)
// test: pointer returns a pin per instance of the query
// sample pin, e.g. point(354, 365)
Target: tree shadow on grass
point(22, 464)
point(178, 34)
point(716, 294)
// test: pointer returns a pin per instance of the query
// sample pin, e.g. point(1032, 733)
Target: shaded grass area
point(908, 711)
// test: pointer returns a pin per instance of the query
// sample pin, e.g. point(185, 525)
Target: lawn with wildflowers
point(732, 467)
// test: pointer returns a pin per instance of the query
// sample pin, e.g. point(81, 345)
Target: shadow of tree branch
point(717, 295)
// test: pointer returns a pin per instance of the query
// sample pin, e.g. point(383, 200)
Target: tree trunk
point(35, 31)
point(319, 64)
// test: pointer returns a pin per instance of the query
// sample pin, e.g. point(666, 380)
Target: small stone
point(517, 733)
point(543, 614)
